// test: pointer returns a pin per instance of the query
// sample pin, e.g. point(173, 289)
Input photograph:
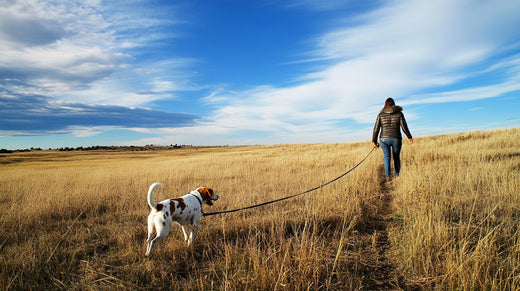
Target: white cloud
point(399, 49)
point(81, 51)
point(72, 48)
point(469, 94)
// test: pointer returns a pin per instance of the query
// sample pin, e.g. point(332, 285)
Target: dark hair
point(389, 102)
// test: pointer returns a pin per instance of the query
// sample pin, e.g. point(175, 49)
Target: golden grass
point(77, 220)
point(460, 211)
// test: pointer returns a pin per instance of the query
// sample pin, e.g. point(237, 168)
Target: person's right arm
point(375, 132)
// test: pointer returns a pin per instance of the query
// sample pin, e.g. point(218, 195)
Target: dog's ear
point(206, 193)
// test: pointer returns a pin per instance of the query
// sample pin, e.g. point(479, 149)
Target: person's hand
point(376, 144)
point(411, 141)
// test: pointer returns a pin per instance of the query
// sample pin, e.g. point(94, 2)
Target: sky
point(240, 72)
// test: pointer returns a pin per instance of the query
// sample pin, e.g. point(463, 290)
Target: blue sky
point(233, 72)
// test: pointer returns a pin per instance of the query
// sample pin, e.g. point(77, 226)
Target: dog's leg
point(195, 225)
point(162, 232)
point(151, 232)
point(157, 239)
point(185, 233)
point(192, 235)
point(149, 243)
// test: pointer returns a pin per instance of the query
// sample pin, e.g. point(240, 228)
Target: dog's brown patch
point(206, 193)
point(180, 203)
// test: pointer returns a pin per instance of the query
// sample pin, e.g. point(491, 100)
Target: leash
point(295, 195)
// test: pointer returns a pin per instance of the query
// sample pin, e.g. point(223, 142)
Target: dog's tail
point(151, 202)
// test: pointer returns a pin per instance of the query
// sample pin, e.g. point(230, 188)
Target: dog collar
point(198, 199)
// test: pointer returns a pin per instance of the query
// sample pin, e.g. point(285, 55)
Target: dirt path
point(371, 242)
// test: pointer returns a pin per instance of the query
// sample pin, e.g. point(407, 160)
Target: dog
point(186, 211)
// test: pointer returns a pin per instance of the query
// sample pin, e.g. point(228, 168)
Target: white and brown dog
point(186, 210)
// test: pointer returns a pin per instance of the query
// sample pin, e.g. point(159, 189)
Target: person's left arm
point(406, 131)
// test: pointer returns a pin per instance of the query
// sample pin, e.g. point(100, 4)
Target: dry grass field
point(77, 220)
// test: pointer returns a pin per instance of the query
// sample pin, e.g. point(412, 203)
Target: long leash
point(295, 195)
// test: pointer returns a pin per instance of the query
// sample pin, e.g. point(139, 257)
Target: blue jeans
point(394, 145)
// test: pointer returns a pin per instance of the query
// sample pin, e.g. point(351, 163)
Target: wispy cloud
point(398, 50)
point(469, 94)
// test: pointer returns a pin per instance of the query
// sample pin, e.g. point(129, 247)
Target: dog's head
point(207, 195)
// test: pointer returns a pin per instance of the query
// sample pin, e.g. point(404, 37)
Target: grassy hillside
point(77, 220)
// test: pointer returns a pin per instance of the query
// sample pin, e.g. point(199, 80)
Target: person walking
point(390, 121)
